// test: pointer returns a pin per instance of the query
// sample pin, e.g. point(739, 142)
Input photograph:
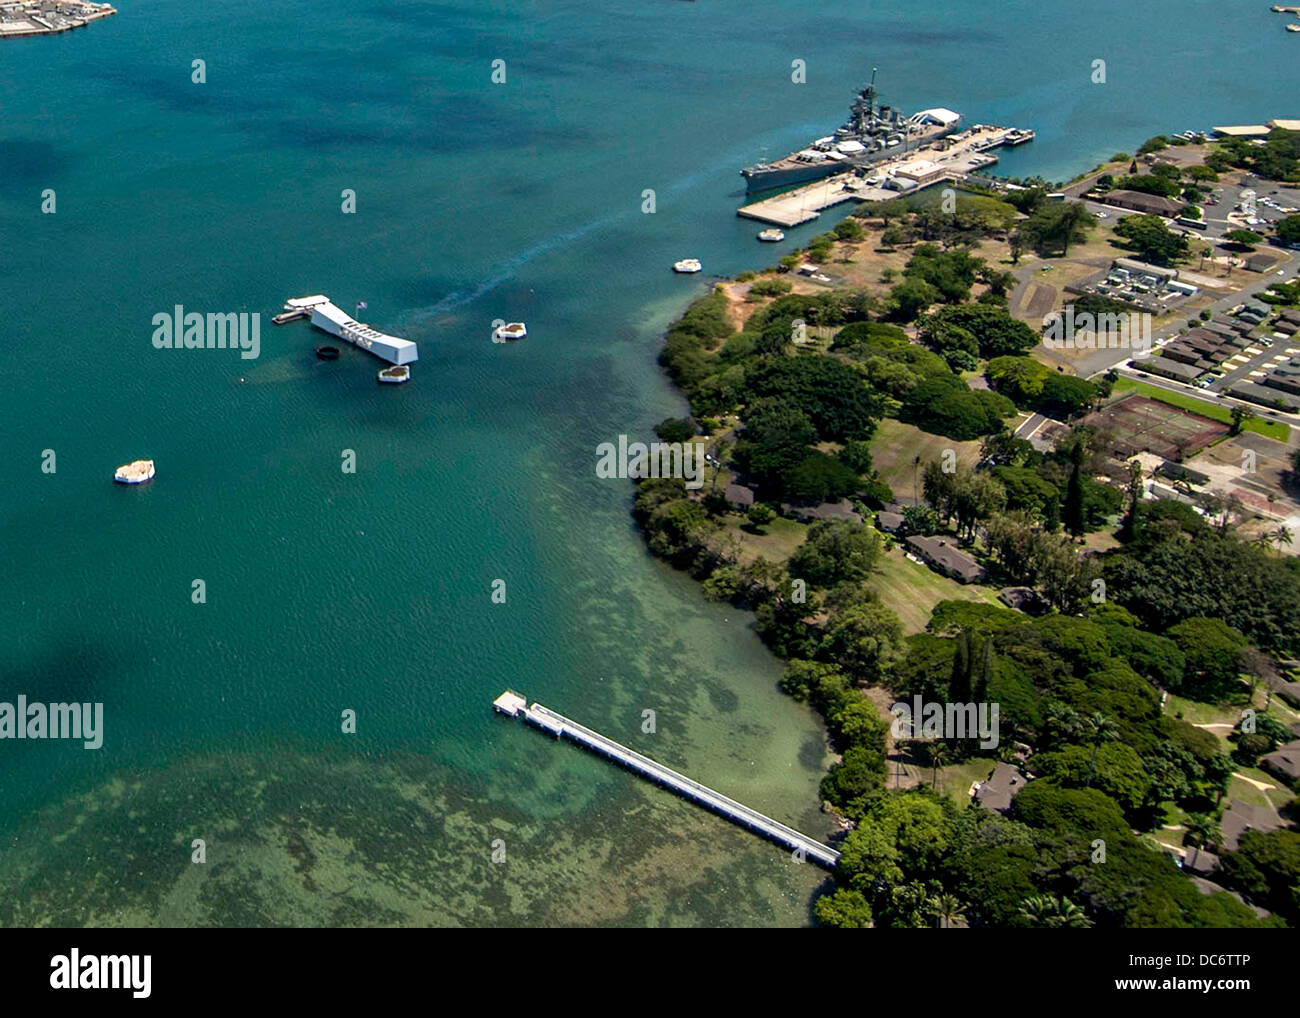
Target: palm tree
point(1102, 728)
point(947, 909)
point(1051, 913)
point(938, 754)
point(1281, 536)
point(1202, 828)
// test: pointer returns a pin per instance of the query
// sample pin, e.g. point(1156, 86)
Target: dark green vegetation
point(1277, 159)
point(1178, 606)
point(1083, 694)
point(1151, 239)
point(1288, 230)
point(1178, 567)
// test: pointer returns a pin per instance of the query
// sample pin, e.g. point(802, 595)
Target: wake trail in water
point(506, 271)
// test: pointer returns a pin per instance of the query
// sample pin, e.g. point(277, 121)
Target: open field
point(1214, 411)
point(912, 590)
point(955, 780)
point(776, 543)
point(896, 445)
point(1197, 713)
point(1240, 789)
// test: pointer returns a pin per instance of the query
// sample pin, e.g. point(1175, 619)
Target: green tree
point(776, 438)
point(856, 455)
point(1288, 230)
point(1202, 829)
point(675, 429)
point(910, 298)
point(1246, 239)
point(866, 640)
point(1240, 415)
point(1266, 868)
point(1053, 913)
point(760, 515)
point(948, 910)
point(1213, 651)
point(1103, 728)
point(836, 551)
point(1072, 510)
point(1152, 239)
point(844, 909)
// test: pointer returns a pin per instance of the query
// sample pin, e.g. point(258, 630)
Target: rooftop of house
point(1241, 817)
point(738, 494)
point(943, 551)
point(1285, 759)
point(886, 520)
point(1143, 202)
point(1003, 785)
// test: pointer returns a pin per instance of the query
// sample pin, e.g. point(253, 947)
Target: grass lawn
point(1202, 713)
point(1174, 839)
point(1248, 793)
point(776, 543)
point(1214, 411)
point(895, 446)
point(955, 780)
point(1278, 795)
point(913, 590)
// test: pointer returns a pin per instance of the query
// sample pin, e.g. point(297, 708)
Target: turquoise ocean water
point(370, 591)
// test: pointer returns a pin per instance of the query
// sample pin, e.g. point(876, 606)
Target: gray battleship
point(871, 133)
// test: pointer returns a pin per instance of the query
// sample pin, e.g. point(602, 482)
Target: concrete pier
point(947, 161)
point(512, 704)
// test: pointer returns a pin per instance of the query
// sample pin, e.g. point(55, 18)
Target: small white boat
point(771, 236)
point(1293, 28)
point(135, 472)
point(687, 265)
point(395, 375)
point(510, 331)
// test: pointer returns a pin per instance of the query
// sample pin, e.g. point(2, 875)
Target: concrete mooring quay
point(512, 704)
point(947, 161)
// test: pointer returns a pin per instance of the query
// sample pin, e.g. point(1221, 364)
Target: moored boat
point(771, 236)
point(872, 133)
point(395, 375)
point(510, 331)
point(135, 472)
point(687, 265)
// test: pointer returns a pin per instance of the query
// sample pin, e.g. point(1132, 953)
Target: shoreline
point(705, 563)
point(33, 23)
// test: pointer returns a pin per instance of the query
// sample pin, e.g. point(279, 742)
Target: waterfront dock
point(40, 17)
point(512, 704)
point(950, 160)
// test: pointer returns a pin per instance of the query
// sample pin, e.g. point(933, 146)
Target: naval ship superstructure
point(872, 133)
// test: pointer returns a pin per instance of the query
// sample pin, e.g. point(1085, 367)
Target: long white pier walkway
point(558, 725)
